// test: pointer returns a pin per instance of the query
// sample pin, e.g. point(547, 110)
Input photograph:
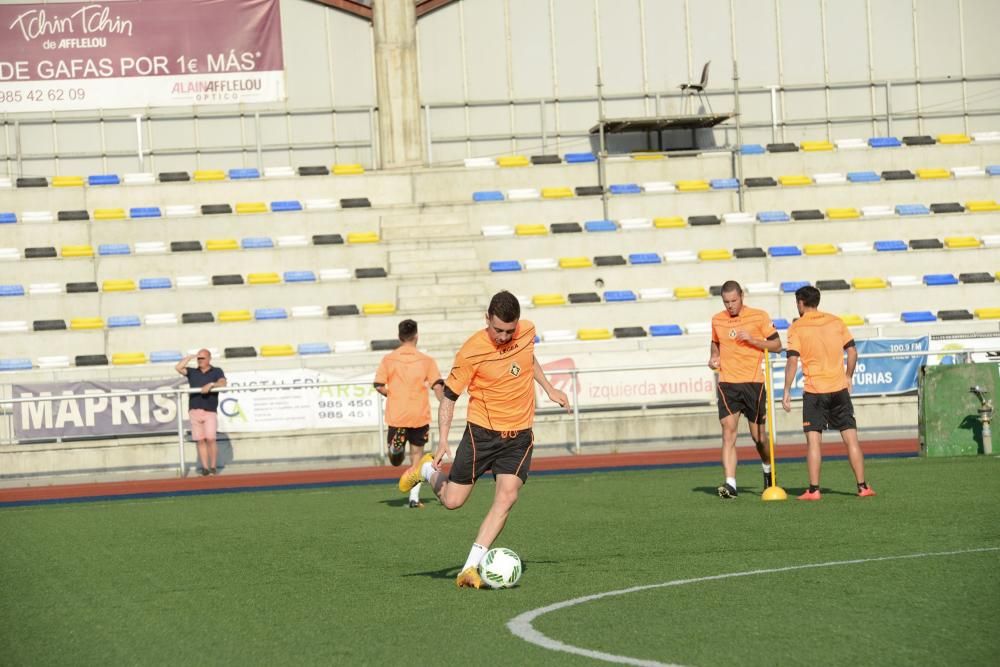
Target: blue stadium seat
point(625, 189)
point(7, 218)
point(286, 205)
point(772, 216)
point(256, 242)
point(240, 174)
point(915, 316)
point(781, 324)
point(114, 249)
point(724, 184)
point(884, 142)
point(666, 329)
point(121, 321)
point(784, 251)
point(505, 265)
point(154, 283)
point(936, 279)
point(600, 226)
point(752, 149)
point(144, 212)
point(993, 170)
point(103, 179)
point(487, 195)
point(314, 348)
point(299, 277)
point(789, 286)
point(11, 290)
point(17, 364)
point(644, 258)
point(165, 356)
point(619, 295)
point(270, 314)
point(863, 177)
point(890, 246)
point(576, 158)
point(912, 209)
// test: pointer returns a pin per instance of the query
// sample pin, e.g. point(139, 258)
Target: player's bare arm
point(555, 395)
point(446, 412)
point(438, 389)
point(792, 364)
point(852, 361)
point(713, 356)
point(769, 344)
point(181, 366)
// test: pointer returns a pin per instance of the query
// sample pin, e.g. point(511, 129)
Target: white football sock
point(731, 481)
point(426, 471)
point(766, 467)
point(415, 493)
point(475, 555)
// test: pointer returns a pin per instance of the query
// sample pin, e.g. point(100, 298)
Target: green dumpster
point(948, 411)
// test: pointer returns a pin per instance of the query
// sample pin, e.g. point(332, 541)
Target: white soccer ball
point(500, 568)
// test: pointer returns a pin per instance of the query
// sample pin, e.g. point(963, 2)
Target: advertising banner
point(986, 348)
point(86, 416)
point(872, 377)
point(139, 53)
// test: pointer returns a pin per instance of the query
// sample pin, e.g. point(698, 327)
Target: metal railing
point(961, 354)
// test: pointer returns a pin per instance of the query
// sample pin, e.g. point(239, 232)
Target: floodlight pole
point(602, 149)
point(739, 134)
point(179, 395)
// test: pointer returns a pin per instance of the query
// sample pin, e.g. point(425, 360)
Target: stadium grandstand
point(285, 201)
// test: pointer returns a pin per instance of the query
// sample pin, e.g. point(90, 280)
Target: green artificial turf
point(349, 575)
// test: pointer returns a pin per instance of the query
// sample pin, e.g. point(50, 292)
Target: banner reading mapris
point(139, 53)
point(74, 414)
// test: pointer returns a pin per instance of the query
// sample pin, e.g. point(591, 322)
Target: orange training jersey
point(500, 380)
point(739, 361)
point(406, 373)
point(820, 338)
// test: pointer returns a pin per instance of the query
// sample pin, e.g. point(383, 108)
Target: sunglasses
point(202, 358)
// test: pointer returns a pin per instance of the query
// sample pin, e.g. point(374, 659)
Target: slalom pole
point(773, 492)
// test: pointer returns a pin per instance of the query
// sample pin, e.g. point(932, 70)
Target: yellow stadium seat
point(842, 213)
point(118, 286)
point(86, 323)
point(128, 358)
point(221, 244)
point(981, 206)
point(347, 169)
point(251, 207)
point(556, 193)
point(817, 146)
point(648, 156)
point(77, 251)
point(593, 334)
point(109, 214)
point(953, 139)
point(209, 175)
point(384, 308)
point(714, 254)
point(234, 316)
point(531, 230)
point(362, 237)
point(575, 262)
point(67, 181)
point(795, 179)
point(263, 279)
point(690, 292)
point(988, 313)
point(548, 300)
point(672, 222)
point(692, 186)
point(869, 283)
point(959, 242)
point(276, 350)
point(512, 161)
point(933, 173)
point(853, 320)
point(820, 249)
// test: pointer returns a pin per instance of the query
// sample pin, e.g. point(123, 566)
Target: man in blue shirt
point(203, 406)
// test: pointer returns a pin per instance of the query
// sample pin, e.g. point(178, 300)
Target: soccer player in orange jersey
point(741, 336)
point(497, 366)
point(819, 339)
point(403, 378)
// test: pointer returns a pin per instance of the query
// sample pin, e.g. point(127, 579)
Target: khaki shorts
point(203, 424)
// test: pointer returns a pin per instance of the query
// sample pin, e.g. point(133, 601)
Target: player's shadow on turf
point(452, 572)
point(823, 490)
point(714, 491)
point(401, 502)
